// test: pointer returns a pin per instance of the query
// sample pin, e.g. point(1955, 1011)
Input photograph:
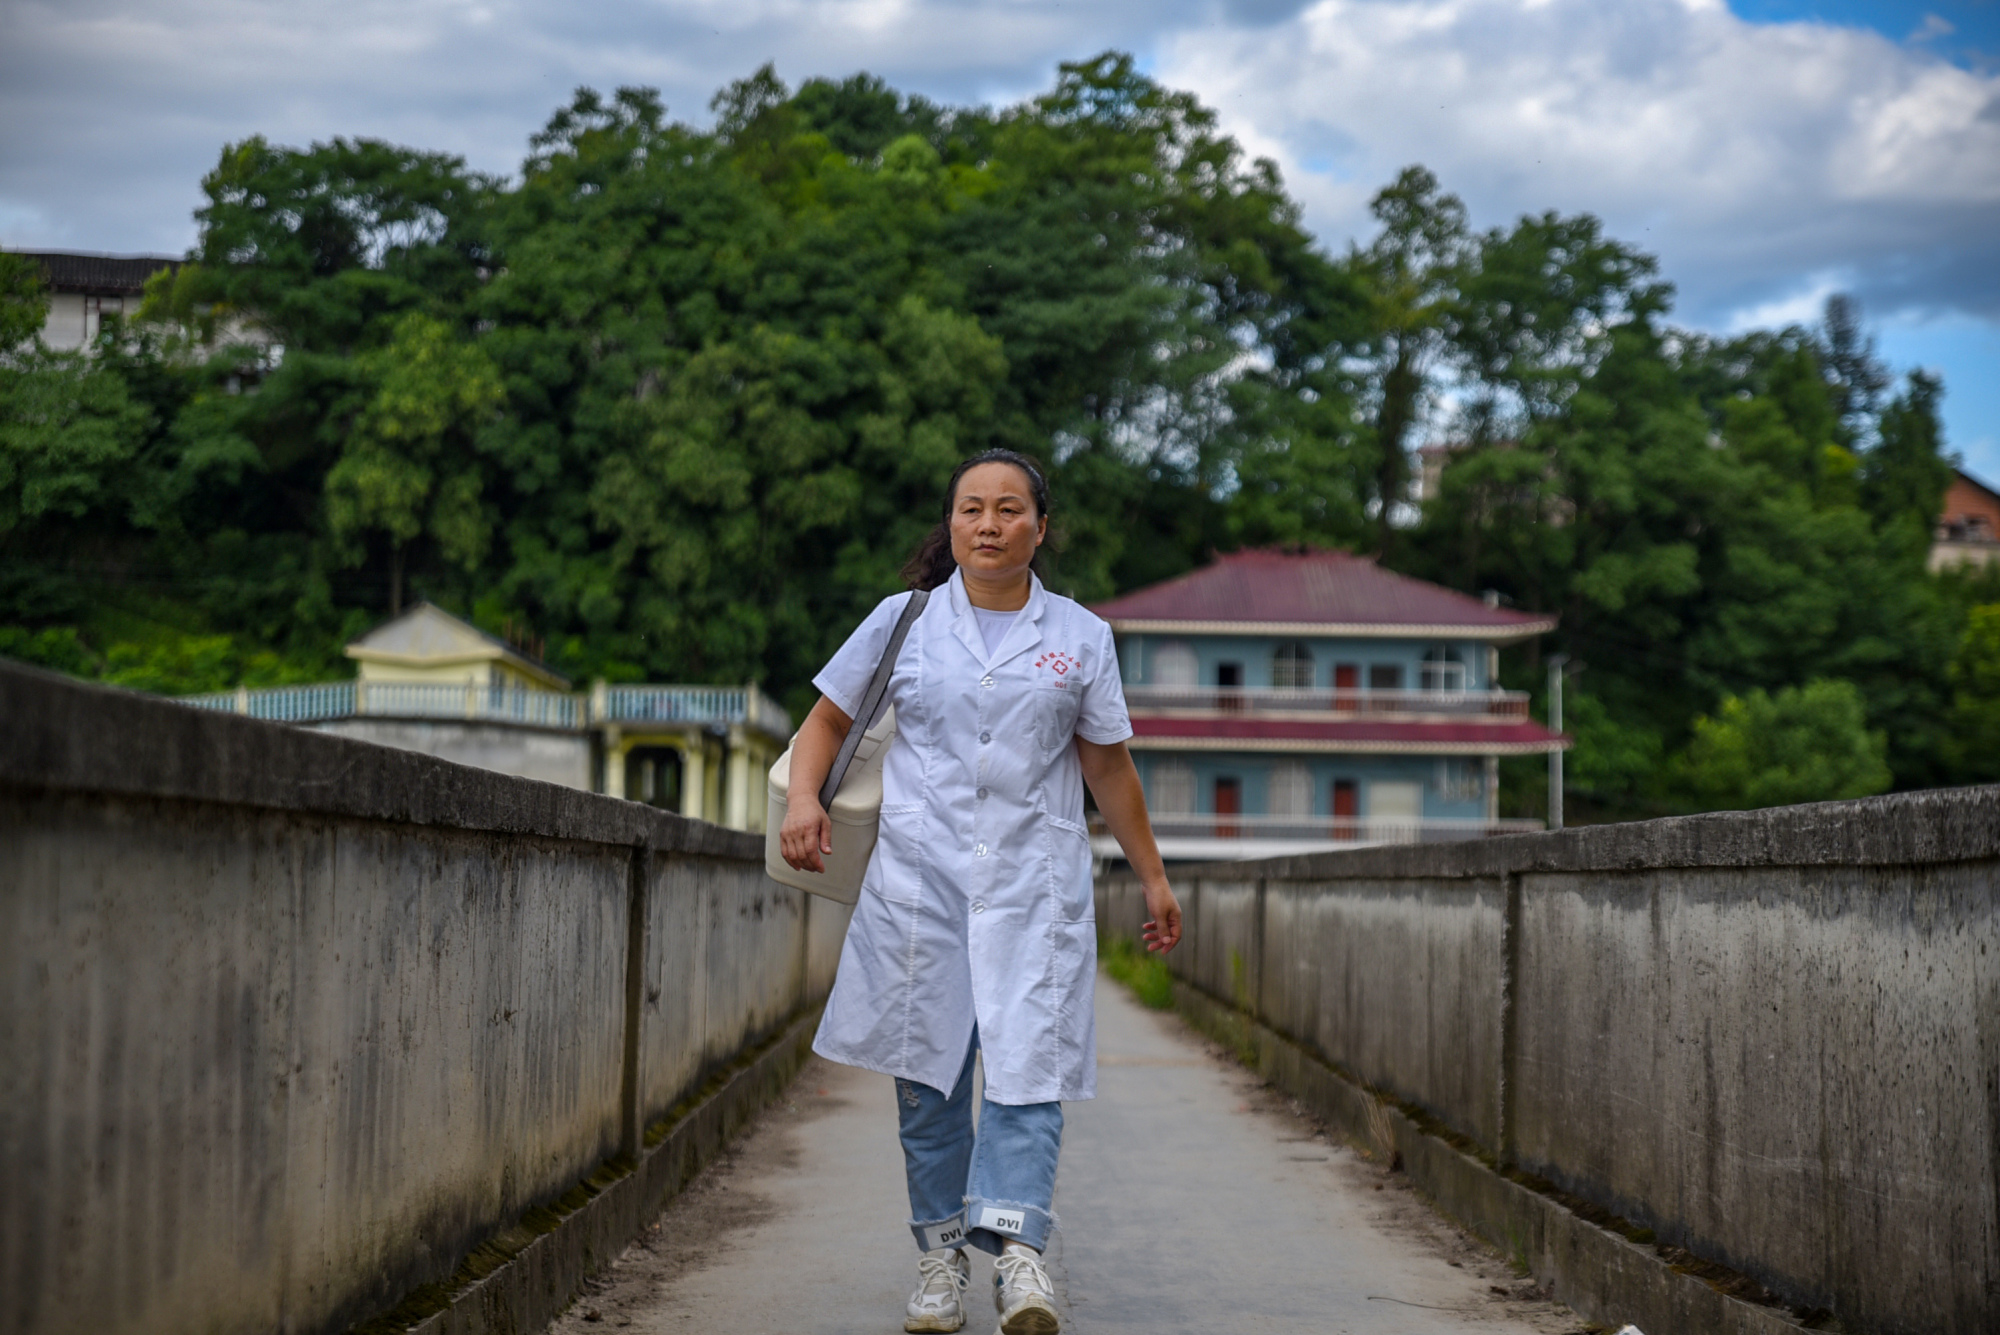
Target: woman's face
point(994, 525)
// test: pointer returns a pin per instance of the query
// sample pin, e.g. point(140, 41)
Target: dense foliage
point(683, 399)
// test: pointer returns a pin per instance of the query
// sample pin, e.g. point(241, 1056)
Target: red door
point(1228, 802)
point(1346, 686)
point(1346, 806)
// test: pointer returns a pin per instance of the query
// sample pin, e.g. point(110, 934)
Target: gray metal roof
point(98, 275)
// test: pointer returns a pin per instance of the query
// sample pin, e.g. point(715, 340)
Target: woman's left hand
point(1163, 928)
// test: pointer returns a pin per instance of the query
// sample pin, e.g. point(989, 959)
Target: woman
point(975, 929)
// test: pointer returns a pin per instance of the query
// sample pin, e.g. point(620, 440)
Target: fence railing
point(1320, 702)
point(326, 701)
point(1333, 829)
point(691, 704)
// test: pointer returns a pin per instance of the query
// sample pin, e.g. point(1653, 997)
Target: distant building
point(83, 289)
point(428, 681)
point(1289, 702)
point(1968, 531)
point(428, 645)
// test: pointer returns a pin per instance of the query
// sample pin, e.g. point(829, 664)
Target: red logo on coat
point(1058, 662)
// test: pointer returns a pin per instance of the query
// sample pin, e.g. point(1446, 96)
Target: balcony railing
point(326, 701)
point(1320, 702)
point(1331, 829)
point(691, 704)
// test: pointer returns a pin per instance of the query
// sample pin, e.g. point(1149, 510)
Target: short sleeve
point(844, 680)
point(1102, 718)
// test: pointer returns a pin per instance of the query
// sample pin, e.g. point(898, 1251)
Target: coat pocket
point(1069, 866)
point(897, 873)
point(1056, 706)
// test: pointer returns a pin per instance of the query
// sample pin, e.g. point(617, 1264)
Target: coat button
point(979, 906)
point(986, 682)
point(985, 737)
point(982, 794)
point(979, 850)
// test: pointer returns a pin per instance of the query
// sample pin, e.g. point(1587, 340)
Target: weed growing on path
point(1145, 973)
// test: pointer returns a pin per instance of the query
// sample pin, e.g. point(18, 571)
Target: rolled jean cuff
point(994, 1224)
point(940, 1233)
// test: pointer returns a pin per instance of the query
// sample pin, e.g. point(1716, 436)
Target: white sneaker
point(1022, 1292)
point(935, 1305)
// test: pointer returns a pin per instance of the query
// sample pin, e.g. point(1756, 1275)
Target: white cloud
point(1804, 304)
point(1933, 27)
point(1759, 160)
point(111, 110)
point(1752, 157)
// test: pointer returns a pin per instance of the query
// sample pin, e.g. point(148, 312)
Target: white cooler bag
point(856, 812)
point(852, 793)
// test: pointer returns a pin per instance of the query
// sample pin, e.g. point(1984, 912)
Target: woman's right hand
point(806, 834)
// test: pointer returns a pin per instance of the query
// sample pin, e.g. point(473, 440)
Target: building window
point(1174, 664)
point(1460, 780)
point(1395, 810)
point(1291, 790)
point(1385, 676)
point(1292, 666)
point(1229, 685)
point(1443, 670)
point(1172, 788)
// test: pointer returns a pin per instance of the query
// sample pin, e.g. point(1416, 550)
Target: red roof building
point(1968, 532)
point(1293, 701)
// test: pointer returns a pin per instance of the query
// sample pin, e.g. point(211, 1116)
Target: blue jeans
point(981, 1189)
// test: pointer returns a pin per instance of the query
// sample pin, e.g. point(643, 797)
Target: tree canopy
point(684, 399)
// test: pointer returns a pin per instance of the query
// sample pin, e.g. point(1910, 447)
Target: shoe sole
point(1031, 1321)
point(917, 1326)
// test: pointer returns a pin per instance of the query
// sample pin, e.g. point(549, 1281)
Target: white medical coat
point(977, 903)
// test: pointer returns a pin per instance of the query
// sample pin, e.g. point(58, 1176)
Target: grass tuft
point(1139, 969)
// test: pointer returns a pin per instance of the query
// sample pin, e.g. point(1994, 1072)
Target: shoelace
point(1023, 1270)
point(935, 1269)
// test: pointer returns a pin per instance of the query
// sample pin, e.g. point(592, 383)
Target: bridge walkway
point(1191, 1199)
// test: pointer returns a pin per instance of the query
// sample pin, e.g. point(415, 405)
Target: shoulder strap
point(871, 700)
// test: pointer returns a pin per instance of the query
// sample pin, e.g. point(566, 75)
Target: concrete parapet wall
point(294, 1022)
point(1770, 1038)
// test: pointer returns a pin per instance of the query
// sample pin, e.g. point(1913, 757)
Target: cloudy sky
point(1769, 151)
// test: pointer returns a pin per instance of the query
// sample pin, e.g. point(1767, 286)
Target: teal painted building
point(1289, 702)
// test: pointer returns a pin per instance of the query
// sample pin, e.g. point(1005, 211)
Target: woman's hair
point(933, 563)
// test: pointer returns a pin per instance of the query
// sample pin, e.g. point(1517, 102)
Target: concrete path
point(1191, 1199)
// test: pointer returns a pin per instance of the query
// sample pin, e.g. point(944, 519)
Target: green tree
point(24, 301)
point(322, 246)
point(409, 469)
point(1856, 379)
point(1974, 745)
point(1412, 270)
point(1805, 743)
point(1907, 472)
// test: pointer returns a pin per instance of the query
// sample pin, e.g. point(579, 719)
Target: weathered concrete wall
point(293, 1022)
point(1772, 1038)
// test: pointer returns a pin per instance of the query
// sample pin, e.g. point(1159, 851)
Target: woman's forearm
point(1114, 781)
point(814, 749)
point(807, 835)
point(1121, 801)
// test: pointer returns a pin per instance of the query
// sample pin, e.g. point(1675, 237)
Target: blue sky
point(1769, 151)
point(1964, 31)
